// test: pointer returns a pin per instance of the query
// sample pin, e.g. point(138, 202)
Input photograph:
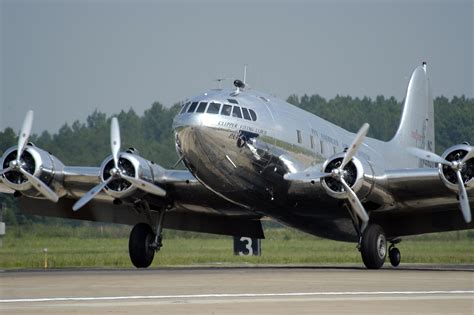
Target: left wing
point(126, 188)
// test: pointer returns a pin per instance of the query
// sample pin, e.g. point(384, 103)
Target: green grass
point(93, 246)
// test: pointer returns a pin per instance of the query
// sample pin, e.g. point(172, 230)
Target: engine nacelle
point(358, 175)
point(37, 162)
point(448, 175)
point(132, 165)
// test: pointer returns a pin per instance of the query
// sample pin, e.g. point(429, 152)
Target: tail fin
point(416, 127)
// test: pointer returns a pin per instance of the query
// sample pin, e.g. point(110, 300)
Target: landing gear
point(394, 255)
point(373, 246)
point(141, 253)
point(143, 243)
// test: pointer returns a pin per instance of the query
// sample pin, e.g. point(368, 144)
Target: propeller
point(40, 186)
point(117, 173)
point(6, 170)
point(17, 164)
point(339, 173)
point(24, 135)
point(91, 194)
point(457, 167)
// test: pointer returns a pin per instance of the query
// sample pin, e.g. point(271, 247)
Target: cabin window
point(185, 107)
point(253, 115)
point(322, 146)
point(231, 100)
point(236, 112)
point(300, 138)
point(226, 109)
point(202, 107)
point(246, 113)
point(213, 108)
point(311, 140)
point(192, 107)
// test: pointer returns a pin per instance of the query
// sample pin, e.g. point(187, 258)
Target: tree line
point(87, 143)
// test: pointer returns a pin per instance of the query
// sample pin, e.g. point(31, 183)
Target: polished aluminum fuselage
point(244, 161)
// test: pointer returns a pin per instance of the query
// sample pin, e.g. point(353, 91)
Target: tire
point(141, 237)
point(394, 256)
point(374, 247)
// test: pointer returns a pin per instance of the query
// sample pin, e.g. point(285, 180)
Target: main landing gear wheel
point(139, 245)
point(394, 255)
point(373, 247)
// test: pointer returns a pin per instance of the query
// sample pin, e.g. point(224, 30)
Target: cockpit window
point(236, 112)
point(202, 107)
point(185, 107)
point(226, 109)
point(246, 113)
point(253, 115)
point(192, 107)
point(231, 100)
point(213, 108)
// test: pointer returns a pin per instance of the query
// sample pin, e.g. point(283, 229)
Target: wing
point(126, 189)
point(189, 205)
point(421, 202)
point(405, 201)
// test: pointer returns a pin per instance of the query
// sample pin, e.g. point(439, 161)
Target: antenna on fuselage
point(245, 73)
point(239, 84)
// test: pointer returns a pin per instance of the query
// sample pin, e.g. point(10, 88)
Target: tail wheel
point(374, 247)
point(394, 255)
point(141, 253)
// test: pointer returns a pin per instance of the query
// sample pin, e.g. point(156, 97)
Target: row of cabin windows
point(217, 108)
point(311, 142)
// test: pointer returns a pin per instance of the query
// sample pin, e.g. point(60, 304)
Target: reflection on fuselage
point(240, 158)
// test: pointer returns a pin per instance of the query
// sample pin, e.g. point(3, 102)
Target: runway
point(240, 290)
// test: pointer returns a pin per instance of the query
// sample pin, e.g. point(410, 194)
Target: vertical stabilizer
point(416, 127)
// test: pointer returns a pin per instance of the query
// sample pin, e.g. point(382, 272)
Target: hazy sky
point(64, 59)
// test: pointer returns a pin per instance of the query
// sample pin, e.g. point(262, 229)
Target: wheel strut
point(157, 243)
point(144, 207)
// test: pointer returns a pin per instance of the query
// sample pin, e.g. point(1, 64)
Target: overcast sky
point(64, 59)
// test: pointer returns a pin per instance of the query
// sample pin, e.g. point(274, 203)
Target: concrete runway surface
point(240, 290)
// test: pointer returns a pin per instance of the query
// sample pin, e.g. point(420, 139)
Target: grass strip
point(107, 247)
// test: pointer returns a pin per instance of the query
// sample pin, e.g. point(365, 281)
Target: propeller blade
point(40, 186)
point(6, 170)
point(468, 156)
point(355, 202)
point(24, 134)
point(428, 156)
point(115, 140)
point(465, 208)
point(144, 185)
point(306, 176)
point(90, 194)
point(352, 150)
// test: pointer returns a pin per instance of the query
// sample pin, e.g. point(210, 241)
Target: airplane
point(250, 156)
